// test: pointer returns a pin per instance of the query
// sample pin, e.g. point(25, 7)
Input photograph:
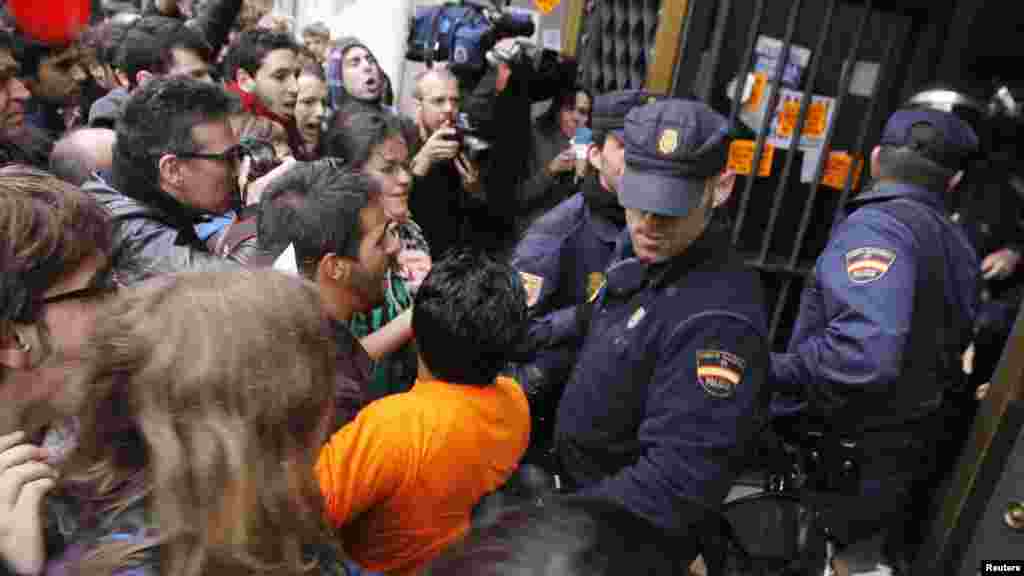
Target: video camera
point(462, 33)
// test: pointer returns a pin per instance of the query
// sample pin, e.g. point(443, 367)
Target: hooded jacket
point(343, 103)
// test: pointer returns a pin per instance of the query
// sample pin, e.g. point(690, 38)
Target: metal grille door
point(824, 75)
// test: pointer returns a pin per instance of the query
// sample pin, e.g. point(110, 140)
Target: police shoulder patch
point(719, 372)
point(868, 264)
point(533, 285)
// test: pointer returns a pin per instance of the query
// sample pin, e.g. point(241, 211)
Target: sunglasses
point(232, 154)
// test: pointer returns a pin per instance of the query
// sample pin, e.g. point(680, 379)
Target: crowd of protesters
point(253, 319)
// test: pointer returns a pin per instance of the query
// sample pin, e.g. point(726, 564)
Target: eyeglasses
point(439, 102)
point(390, 167)
point(232, 154)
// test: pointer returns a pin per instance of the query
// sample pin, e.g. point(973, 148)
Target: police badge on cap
point(672, 147)
point(669, 141)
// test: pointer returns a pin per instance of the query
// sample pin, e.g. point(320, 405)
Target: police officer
point(563, 256)
point(883, 322)
point(668, 383)
point(990, 210)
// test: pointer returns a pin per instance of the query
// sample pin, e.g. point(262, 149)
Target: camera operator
point(497, 80)
point(501, 106)
point(447, 197)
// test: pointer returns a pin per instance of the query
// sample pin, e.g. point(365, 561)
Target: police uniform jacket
point(564, 255)
point(668, 385)
point(860, 357)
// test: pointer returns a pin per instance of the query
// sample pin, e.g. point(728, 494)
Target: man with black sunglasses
point(55, 253)
point(175, 164)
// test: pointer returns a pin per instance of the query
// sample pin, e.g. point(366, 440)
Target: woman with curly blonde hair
point(204, 403)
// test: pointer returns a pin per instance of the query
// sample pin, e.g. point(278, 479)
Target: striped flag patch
point(719, 372)
point(868, 264)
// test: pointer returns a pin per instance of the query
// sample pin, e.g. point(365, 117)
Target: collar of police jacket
point(631, 274)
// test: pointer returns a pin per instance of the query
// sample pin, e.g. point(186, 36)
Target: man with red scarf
point(262, 68)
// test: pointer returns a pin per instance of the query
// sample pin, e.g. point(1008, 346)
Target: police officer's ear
point(874, 161)
point(724, 183)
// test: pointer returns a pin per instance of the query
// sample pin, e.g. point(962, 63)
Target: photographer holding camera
point(447, 192)
point(499, 75)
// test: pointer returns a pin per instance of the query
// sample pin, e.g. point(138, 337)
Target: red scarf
point(253, 105)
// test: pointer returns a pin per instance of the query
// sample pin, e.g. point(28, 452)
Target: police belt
point(892, 445)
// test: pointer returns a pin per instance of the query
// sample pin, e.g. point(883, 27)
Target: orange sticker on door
point(837, 169)
point(741, 157)
point(546, 6)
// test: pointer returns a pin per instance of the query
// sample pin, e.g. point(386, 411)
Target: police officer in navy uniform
point(883, 322)
point(667, 390)
point(564, 254)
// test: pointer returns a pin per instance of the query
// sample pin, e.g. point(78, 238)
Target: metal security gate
point(860, 60)
point(617, 41)
point(781, 221)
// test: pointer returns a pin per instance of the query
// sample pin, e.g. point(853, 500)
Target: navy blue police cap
point(672, 147)
point(608, 114)
point(955, 144)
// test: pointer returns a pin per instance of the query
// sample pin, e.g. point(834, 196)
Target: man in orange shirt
point(401, 480)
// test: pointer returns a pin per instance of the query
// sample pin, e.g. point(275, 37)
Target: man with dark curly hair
point(401, 480)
